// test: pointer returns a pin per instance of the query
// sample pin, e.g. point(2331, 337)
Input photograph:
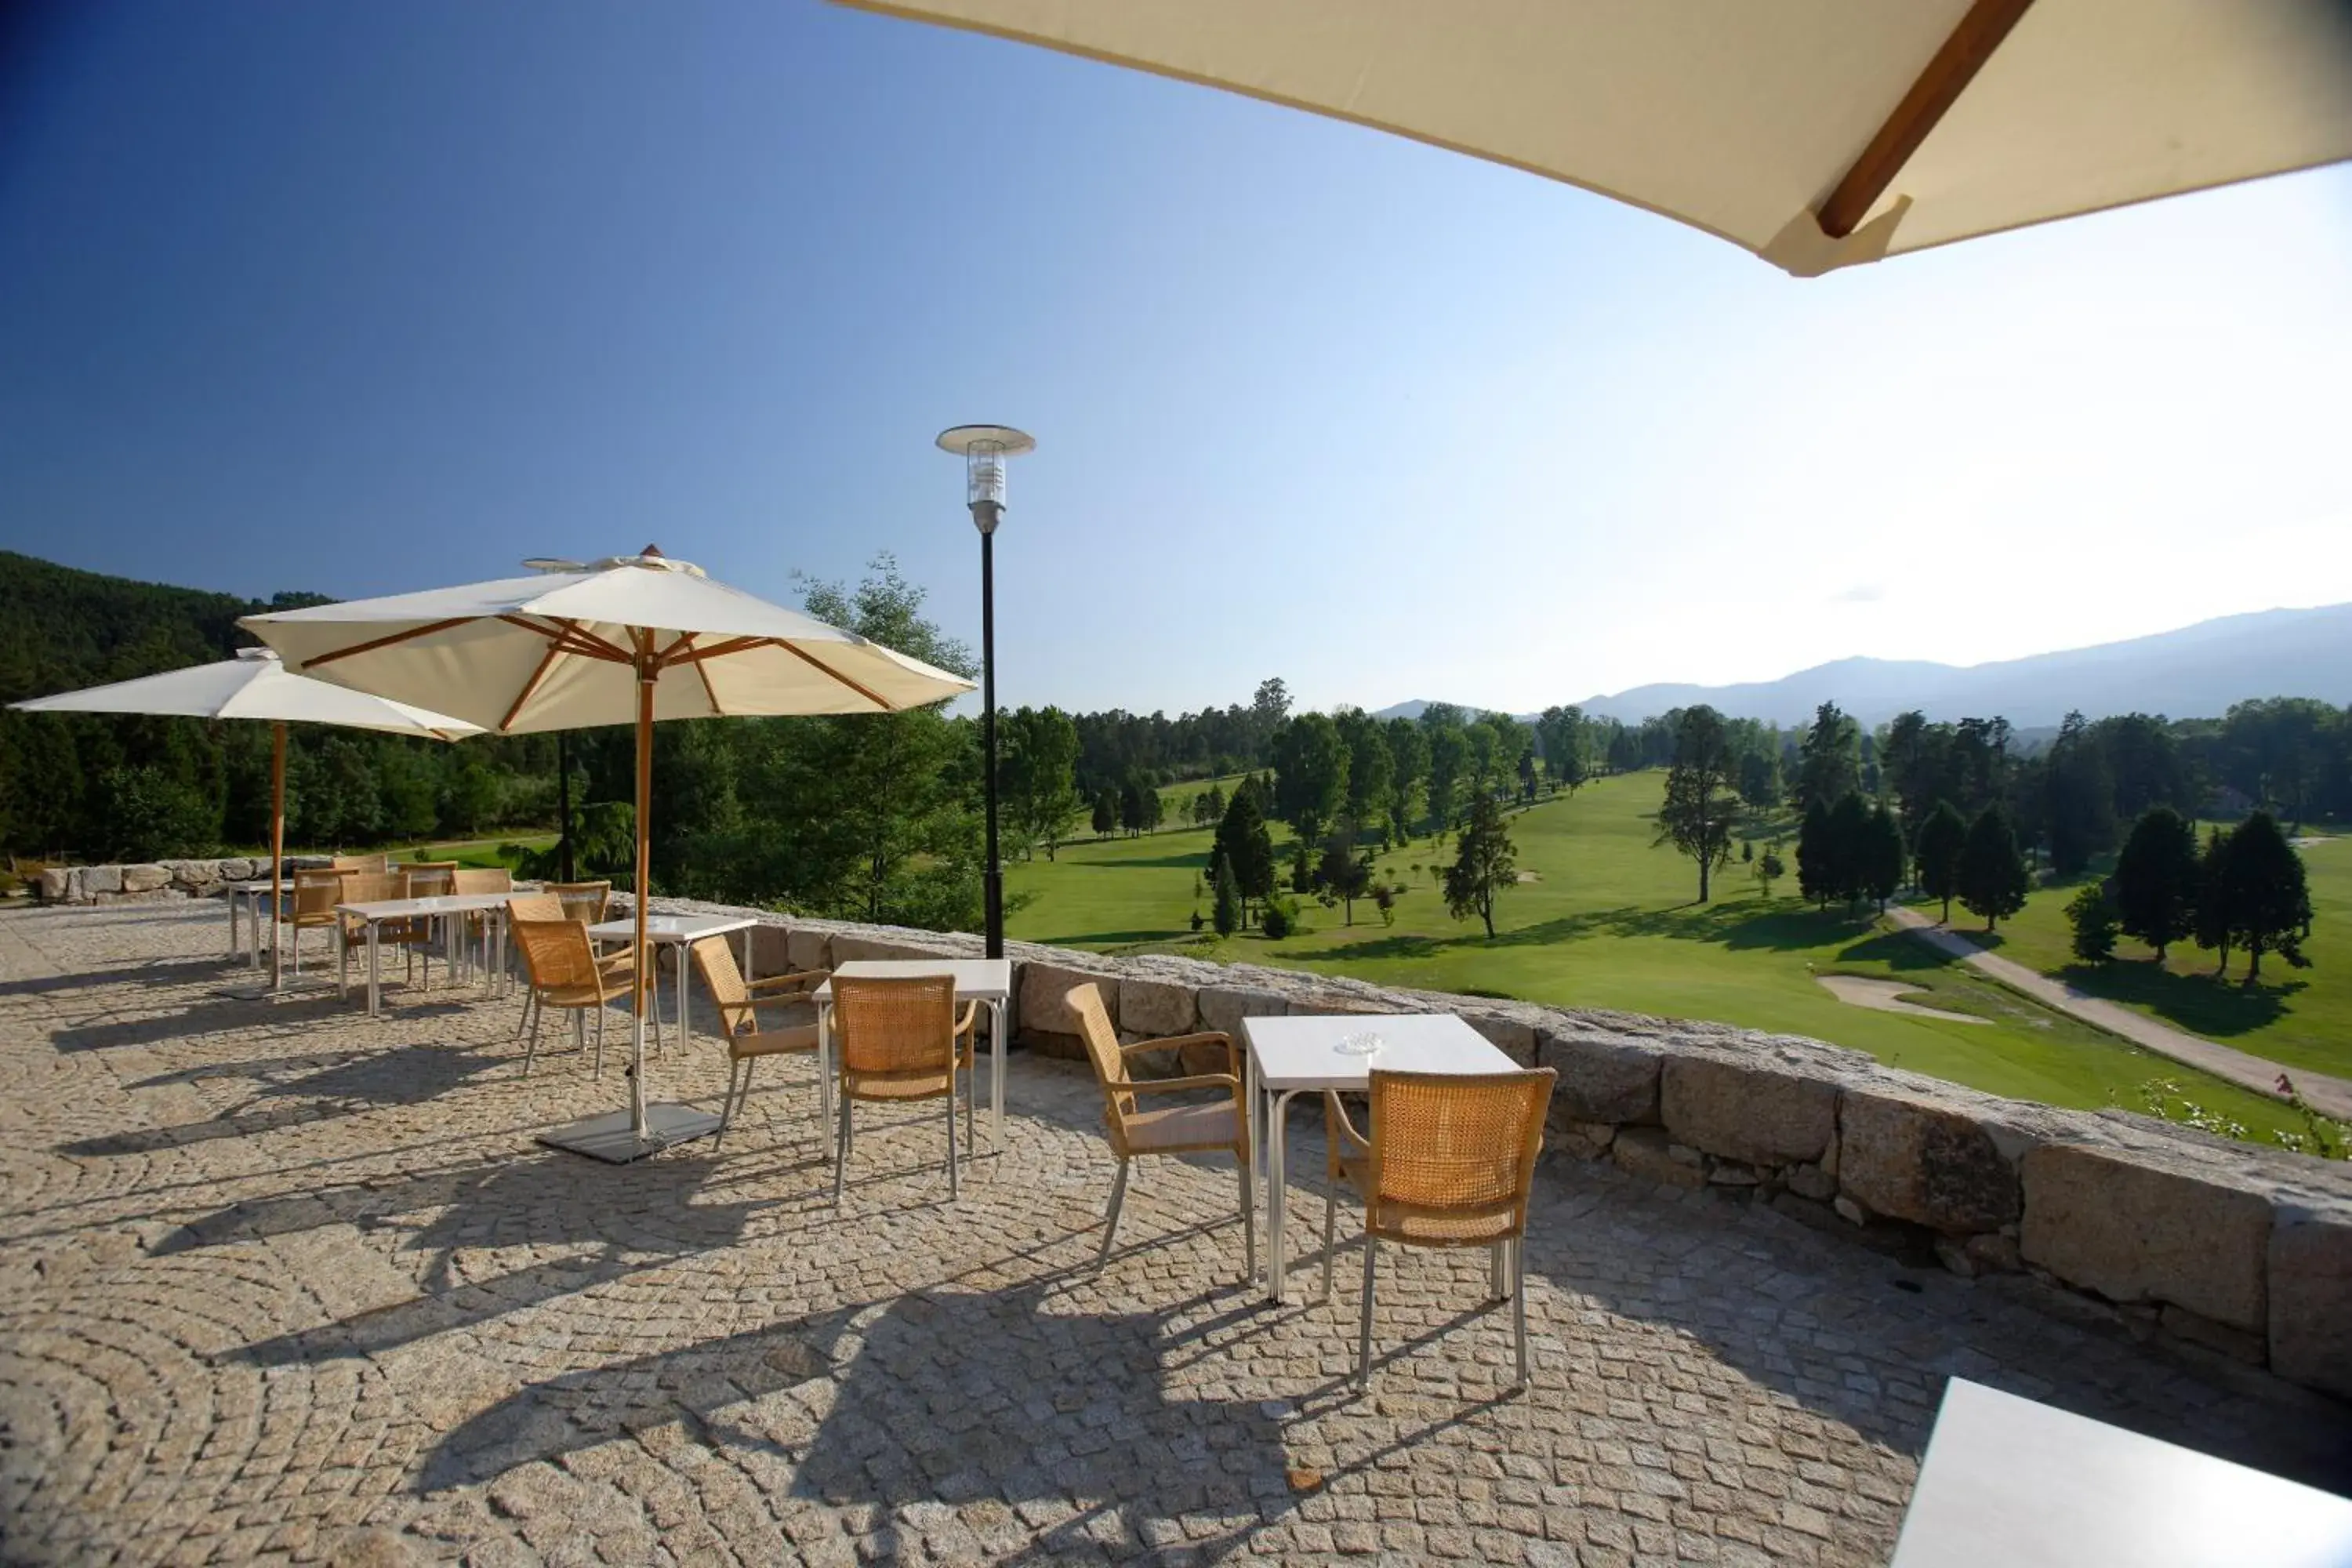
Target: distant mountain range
point(2194, 672)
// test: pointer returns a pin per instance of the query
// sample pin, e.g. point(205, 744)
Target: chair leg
point(297, 952)
point(1249, 1219)
point(599, 1072)
point(1519, 1302)
point(954, 1190)
point(1364, 1333)
point(841, 1151)
point(1110, 1215)
point(532, 1051)
point(727, 1106)
point(1498, 1275)
point(1330, 1215)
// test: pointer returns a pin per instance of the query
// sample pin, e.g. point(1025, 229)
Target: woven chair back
point(316, 893)
point(557, 954)
point(371, 886)
point(362, 862)
point(535, 907)
point(895, 1027)
point(481, 880)
point(1085, 1004)
point(715, 961)
point(583, 900)
point(1453, 1154)
point(429, 878)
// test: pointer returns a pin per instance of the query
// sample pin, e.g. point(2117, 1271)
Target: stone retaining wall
point(2172, 1233)
point(156, 880)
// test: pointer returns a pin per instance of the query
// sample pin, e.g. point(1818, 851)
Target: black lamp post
point(984, 448)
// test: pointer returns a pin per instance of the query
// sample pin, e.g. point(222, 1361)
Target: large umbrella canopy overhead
point(561, 650)
point(1816, 134)
point(253, 685)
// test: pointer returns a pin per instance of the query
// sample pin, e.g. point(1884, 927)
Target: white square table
point(984, 980)
point(374, 913)
point(681, 932)
point(2009, 1481)
point(1285, 1057)
point(250, 893)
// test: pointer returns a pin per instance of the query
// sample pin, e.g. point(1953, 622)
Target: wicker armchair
point(897, 1041)
point(1449, 1162)
point(788, 1025)
point(583, 901)
point(360, 888)
point(564, 971)
point(418, 879)
point(316, 894)
point(1195, 1127)
point(363, 862)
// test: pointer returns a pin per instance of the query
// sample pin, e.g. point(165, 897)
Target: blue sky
point(361, 298)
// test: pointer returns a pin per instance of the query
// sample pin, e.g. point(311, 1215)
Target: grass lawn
point(2297, 1017)
point(1609, 921)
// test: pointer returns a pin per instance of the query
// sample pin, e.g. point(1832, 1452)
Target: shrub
point(1279, 918)
point(2091, 916)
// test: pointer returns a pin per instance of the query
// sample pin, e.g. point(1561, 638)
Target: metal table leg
point(1276, 1125)
point(375, 971)
point(996, 1074)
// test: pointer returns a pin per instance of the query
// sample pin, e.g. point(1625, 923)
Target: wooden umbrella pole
point(277, 841)
point(646, 675)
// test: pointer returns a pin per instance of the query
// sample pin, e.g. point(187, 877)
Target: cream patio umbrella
point(629, 640)
point(1815, 133)
point(255, 686)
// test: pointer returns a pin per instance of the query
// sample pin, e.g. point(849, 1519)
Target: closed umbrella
point(255, 686)
point(629, 640)
point(1816, 134)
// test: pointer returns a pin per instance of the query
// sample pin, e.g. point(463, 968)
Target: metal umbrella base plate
point(609, 1139)
point(302, 988)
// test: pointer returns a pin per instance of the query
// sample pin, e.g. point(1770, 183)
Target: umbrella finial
point(653, 550)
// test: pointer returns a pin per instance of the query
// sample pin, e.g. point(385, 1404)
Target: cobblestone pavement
point(280, 1282)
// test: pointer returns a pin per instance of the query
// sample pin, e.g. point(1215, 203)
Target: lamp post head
point(985, 447)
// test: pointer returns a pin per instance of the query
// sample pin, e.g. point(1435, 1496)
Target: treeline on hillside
point(108, 787)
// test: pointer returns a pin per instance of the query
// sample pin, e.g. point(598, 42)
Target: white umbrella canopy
point(631, 638)
point(1815, 133)
point(255, 685)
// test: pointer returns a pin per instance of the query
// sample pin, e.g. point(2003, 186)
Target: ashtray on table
point(1362, 1043)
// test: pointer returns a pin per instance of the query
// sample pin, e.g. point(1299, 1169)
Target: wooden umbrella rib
point(370, 646)
point(816, 663)
point(531, 686)
point(718, 649)
point(1931, 97)
point(573, 637)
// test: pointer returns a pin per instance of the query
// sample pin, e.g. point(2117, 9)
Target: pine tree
point(2270, 899)
point(2091, 917)
point(1849, 847)
point(1226, 912)
point(1815, 872)
point(1880, 870)
point(2211, 922)
point(1484, 865)
point(2155, 880)
point(1993, 880)
point(1943, 835)
point(1243, 841)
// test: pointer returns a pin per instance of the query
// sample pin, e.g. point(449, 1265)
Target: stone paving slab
point(279, 1282)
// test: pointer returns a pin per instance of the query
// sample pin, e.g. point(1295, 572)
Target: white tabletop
point(982, 979)
point(1303, 1052)
point(2009, 1482)
point(672, 928)
point(446, 904)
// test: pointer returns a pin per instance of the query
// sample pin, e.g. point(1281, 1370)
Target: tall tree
point(1449, 758)
point(2214, 922)
point(1829, 759)
point(1310, 774)
point(1408, 773)
point(1702, 798)
point(1848, 846)
point(1243, 843)
point(1226, 912)
point(1372, 772)
point(2078, 795)
point(1483, 864)
point(1880, 864)
point(2269, 898)
point(1816, 857)
point(1936, 847)
point(1342, 873)
point(1992, 874)
point(1037, 776)
point(2155, 880)
point(1559, 734)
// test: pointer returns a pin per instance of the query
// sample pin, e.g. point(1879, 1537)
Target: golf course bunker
point(1886, 996)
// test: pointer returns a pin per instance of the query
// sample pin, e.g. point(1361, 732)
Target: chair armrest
point(968, 1019)
point(1197, 1081)
point(807, 980)
point(1178, 1043)
point(1342, 1129)
point(797, 1000)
